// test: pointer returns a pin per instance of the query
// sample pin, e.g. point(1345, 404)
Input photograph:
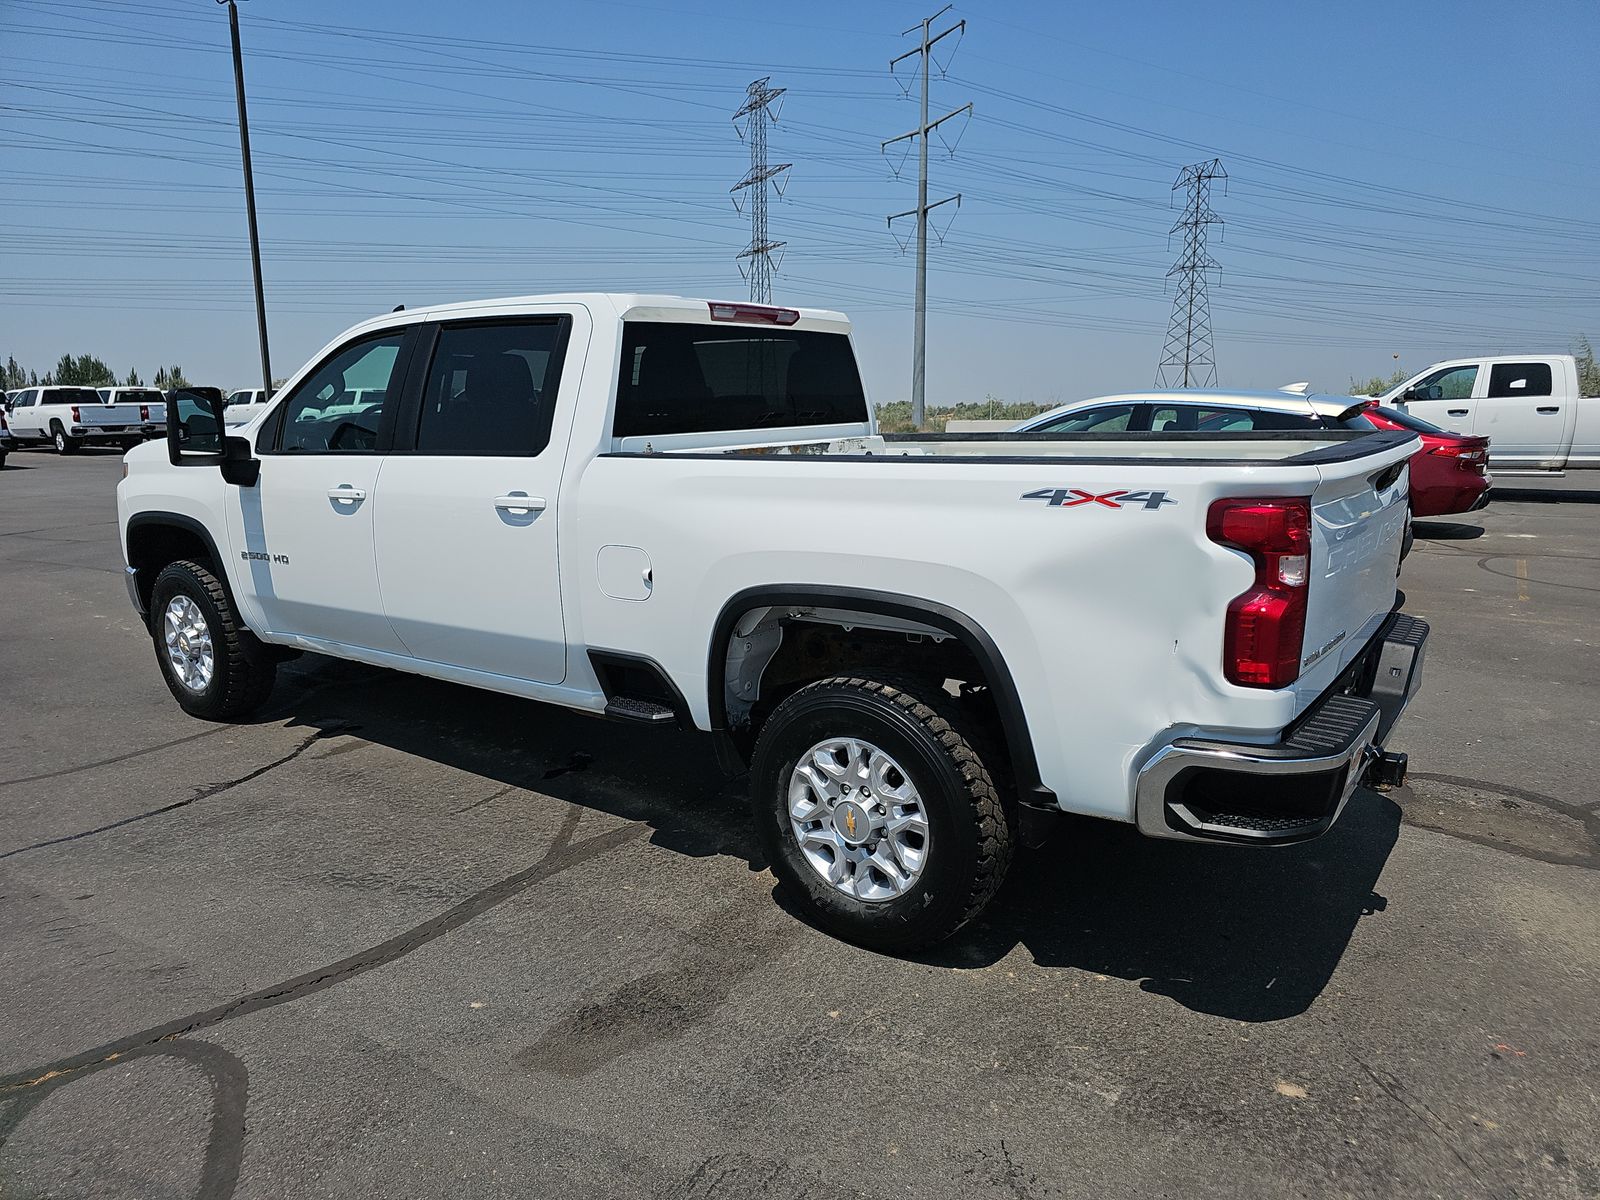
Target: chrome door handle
point(520, 504)
point(345, 494)
point(1554, 408)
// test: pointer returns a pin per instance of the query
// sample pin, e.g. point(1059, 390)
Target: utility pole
point(919, 347)
point(249, 193)
point(756, 113)
point(1187, 358)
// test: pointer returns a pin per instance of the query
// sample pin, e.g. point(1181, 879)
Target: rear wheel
point(214, 667)
point(876, 812)
point(63, 443)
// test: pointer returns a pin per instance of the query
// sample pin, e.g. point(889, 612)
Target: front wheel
point(213, 665)
point(877, 814)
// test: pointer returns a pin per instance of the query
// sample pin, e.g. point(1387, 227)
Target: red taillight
point(144, 412)
point(1468, 458)
point(77, 418)
point(1266, 626)
point(754, 314)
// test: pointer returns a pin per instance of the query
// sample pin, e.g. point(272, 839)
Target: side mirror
point(1409, 394)
point(196, 438)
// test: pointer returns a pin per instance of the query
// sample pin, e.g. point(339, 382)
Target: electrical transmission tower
point(1187, 358)
point(756, 114)
point(919, 349)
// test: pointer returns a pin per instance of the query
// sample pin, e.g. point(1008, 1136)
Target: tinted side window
point(491, 389)
point(1172, 418)
point(1453, 383)
point(682, 378)
point(1112, 418)
point(337, 409)
point(1519, 379)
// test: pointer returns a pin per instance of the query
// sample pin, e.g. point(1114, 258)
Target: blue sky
point(1411, 179)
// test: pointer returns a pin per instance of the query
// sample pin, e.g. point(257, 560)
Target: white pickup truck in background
point(1529, 406)
point(69, 417)
point(679, 512)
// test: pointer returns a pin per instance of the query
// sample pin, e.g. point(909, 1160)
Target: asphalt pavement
point(400, 938)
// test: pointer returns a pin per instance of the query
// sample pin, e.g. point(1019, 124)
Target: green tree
point(84, 371)
point(1588, 369)
point(169, 378)
point(1378, 384)
point(12, 375)
point(133, 379)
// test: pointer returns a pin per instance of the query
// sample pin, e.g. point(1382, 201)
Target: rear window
point(1413, 422)
point(71, 395)
point(683, 378)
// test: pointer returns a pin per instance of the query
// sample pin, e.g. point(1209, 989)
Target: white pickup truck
point(673, 511)
point(69, 417)
point(1529, 406)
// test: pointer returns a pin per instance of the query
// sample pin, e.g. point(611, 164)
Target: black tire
point(972, 829)
point(63, 443)
point(243, 671)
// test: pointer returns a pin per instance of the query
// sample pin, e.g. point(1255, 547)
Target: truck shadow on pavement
point(1238, 932)
point(1242, 933)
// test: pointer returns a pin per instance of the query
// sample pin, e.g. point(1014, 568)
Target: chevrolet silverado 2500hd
point(680, 512)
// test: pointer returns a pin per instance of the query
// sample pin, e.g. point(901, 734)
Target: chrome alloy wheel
point(188, 641)
point(858, 819)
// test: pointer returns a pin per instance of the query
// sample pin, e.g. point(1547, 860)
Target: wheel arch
point(158, 538)
point(966, 632)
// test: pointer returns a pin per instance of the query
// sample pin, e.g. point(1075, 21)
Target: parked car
point(1449, 474)
point(69, 417)
point(672, 511)
point(7, 442)
point(1529, 406)
point(246, 404)
point(1200, 410)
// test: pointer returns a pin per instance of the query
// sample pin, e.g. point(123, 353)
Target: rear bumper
point(88, 433)
point(1196, 789)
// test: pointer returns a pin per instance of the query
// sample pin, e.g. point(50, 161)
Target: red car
point(1450, 474)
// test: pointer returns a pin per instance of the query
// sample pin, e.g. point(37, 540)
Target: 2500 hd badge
point(261, 556)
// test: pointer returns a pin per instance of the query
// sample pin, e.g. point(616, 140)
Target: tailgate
point(1358, 516)
point(109, 416)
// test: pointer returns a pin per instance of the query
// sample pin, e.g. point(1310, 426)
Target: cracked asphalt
point(400, 938)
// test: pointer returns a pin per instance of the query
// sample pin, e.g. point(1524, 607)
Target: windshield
point(1414, 423)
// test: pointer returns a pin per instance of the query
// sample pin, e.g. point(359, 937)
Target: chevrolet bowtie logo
point(850, 821)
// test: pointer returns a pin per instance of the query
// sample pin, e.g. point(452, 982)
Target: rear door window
point(491, 388)
point(691, 378)
point(1518, 379)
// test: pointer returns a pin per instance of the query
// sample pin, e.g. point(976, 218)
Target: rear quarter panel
point(1109, 618)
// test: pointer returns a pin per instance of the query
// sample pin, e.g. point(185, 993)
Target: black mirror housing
point(197, 437)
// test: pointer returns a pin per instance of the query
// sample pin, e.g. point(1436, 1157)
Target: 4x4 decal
point(1120, 498)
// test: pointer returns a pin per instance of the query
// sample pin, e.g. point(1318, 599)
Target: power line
point(919, 347)
point(1187, 358)
point(756, 114)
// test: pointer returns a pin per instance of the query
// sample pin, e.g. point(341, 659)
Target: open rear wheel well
point(770, 642)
